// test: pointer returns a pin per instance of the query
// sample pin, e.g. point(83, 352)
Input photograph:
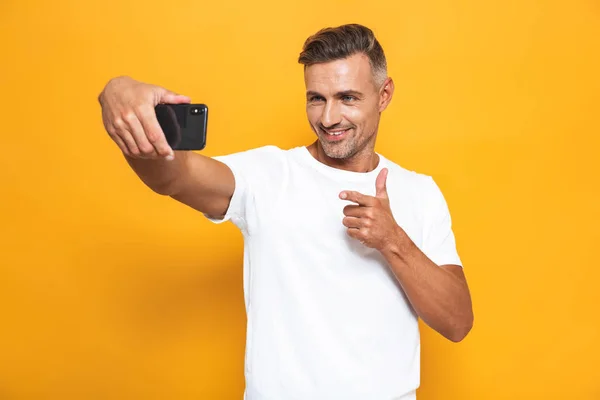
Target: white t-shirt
point(326, 318)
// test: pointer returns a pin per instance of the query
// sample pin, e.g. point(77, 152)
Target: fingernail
point(343, 195)
point(170, 157)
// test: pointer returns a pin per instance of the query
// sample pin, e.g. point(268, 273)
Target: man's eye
point(315, 99)
point(348, 98)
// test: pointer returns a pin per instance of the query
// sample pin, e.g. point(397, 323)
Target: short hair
point(341, 42)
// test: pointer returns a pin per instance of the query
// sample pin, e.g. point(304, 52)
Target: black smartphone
point(184, 125)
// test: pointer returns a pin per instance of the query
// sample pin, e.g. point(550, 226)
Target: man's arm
point(128, 115)
point(198, 181)
point(439, 294)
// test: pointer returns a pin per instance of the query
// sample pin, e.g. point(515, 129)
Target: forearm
point(160, 175)
point(201, 182)
point(440, 298)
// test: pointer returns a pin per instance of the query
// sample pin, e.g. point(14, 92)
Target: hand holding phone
point(130, 116)
point(184, 125)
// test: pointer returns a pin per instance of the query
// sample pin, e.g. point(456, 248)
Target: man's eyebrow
point(343, 93)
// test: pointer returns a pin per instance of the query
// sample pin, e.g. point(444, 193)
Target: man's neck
point(365, 160)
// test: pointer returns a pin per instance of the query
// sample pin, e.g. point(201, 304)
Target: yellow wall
point(108, 291)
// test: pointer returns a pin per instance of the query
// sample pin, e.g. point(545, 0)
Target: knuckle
point(146, 149)
point(152, 136)
point(119, 123)
point(129, 117)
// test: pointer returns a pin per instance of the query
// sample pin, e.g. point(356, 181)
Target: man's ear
point(385, 93)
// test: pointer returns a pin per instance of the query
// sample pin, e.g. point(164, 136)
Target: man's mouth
point(335, 134)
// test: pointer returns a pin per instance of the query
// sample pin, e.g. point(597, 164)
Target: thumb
point(169, 97)
point(380, 184)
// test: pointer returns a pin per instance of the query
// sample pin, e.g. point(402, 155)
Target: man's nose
point(331, 115)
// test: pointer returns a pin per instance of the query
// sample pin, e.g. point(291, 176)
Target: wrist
point(400, 246)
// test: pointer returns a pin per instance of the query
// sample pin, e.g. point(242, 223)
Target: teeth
point(336, 133)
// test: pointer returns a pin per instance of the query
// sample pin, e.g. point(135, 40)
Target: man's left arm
point(438, 293)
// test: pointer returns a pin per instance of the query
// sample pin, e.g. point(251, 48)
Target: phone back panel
point(184, 125)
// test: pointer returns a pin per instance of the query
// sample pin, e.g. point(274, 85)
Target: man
point(343, 249)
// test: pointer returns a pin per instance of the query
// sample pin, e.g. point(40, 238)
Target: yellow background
point(108, 291)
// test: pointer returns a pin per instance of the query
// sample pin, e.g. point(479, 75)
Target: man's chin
point(336, 151)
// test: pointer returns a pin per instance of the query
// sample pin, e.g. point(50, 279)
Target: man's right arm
point(201, 182)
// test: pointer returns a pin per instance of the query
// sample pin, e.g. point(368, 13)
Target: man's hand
point(371, 220)
point(130, 120)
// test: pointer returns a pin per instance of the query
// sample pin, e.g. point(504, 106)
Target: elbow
point(458, 336)
point(461, 331)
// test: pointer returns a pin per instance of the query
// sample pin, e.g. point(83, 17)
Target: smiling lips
point(336, 134)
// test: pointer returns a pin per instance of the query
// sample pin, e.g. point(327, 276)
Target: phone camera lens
point(195, 110)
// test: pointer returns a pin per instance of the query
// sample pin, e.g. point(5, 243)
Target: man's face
point(343, 105)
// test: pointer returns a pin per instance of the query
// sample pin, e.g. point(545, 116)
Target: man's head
point(347, 88)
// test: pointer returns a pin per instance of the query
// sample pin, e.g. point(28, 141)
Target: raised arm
point(128, 115)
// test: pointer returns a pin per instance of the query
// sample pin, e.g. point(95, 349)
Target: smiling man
point(343, 249)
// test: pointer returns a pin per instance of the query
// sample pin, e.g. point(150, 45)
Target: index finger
point(357, 197)
point(153, 131)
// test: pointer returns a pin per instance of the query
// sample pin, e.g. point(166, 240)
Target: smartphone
point(184, 125)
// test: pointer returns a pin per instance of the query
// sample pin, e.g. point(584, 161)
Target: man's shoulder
point(266, 163)
point(407, 177)
point(419, 186)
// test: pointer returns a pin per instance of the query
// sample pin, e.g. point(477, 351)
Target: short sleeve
point(238, 204)
point(439, 243)
point(250, 171)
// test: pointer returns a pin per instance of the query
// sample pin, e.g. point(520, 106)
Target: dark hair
point(337, 43)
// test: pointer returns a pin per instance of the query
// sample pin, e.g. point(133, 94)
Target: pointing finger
point(357, 197)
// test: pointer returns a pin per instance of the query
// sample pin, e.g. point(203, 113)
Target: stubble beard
point(345, 149)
